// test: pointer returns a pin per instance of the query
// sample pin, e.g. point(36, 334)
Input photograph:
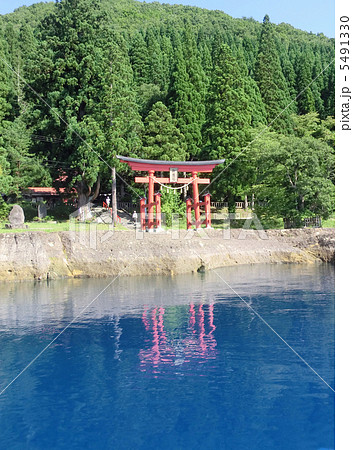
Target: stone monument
point(42, 210)
point(16, 218)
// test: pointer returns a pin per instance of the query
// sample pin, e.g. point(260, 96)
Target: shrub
point(61, 211)
point(4, 209)
point(172, 204)
point(29, 209)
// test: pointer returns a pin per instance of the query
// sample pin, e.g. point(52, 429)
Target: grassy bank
point(53, 227)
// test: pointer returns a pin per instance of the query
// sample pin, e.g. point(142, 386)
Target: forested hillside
point(84, 80)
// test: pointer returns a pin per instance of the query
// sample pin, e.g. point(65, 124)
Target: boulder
point(42, 210)
point(16, 218)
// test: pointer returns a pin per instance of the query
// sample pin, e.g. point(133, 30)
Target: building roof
point(43, 191)
point(39, 191)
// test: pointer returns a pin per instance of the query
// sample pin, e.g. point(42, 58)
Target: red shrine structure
point(153, 205)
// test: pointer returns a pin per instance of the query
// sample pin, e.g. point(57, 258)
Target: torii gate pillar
point(150, 198)
point(195, 191)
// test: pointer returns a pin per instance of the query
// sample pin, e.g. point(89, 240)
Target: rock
point(16, 217)
point(42, 210)
point(202, 269)
point(26, 256)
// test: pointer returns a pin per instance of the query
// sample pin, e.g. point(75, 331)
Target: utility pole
point(114, 205)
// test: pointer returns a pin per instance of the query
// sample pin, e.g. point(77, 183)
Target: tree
point(172, 203)
point(23, 168)
point(206, 60)
point(167, 60)
point(67, 74)
point(295, 176)
point(156, 72)
point(228, 120)
point(329, 92)
point(5, 176)
point(119, 126)
point(84, 73)
point(5, 76)
point(272, 84)
point(305, 101)
point(117, 111)
point(311, 125)
point(252, 92)
point(317, 86)
point(5, 108)
point(162, 139)
point(290, 76)
point(187, 93)
point(19, 168)
point(228, 114)
point(139, 59)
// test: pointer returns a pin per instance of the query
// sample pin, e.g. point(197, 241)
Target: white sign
point(173, 175)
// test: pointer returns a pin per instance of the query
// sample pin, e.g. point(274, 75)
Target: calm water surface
point(170, 363)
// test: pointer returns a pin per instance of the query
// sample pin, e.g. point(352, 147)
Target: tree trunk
point(96, 191)
point(246, 202)
point(84, 210)
point(301, 203)
point(85, 198)
point(231, 202)
point(83, 193)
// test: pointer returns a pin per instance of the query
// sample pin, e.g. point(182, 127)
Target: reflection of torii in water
point(168, 351)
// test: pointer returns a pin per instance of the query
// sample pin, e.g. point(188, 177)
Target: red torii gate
point(154, 200)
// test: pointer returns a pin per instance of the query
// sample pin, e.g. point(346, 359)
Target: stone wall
point(39, 255)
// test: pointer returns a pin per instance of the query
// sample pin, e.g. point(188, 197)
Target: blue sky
point(317, 16)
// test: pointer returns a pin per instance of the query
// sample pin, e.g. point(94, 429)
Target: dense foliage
point(84, 80)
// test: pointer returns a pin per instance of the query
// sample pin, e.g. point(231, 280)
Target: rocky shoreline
point(39, 255)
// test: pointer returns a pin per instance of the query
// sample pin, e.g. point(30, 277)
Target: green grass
point(329, 223)
point(51, 227)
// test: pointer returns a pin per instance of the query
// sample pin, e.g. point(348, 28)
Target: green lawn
point(52, 227)
point(329, 223)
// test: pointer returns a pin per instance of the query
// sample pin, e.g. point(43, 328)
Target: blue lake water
point(170, 363)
